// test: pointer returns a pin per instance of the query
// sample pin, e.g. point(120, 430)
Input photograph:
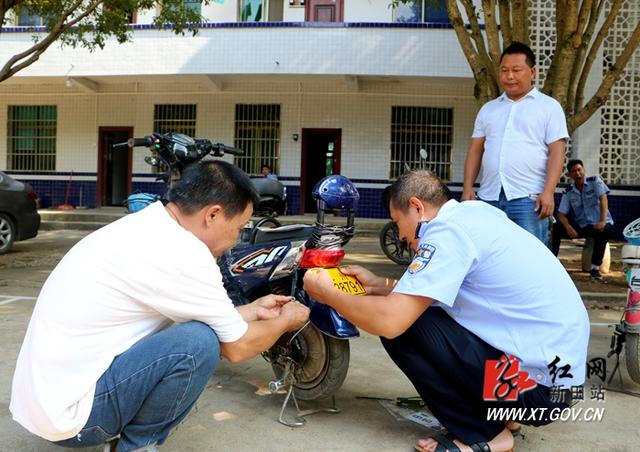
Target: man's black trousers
point(446, 363)
point(600, 239)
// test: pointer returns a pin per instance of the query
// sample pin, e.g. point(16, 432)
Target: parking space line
point(6, 299)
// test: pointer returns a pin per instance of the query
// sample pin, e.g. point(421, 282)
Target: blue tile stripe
point(52, 192)
point(207, 25)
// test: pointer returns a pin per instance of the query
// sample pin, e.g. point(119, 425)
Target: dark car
point(19, 218)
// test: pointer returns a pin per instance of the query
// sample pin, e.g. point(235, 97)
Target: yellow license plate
point(346, 283)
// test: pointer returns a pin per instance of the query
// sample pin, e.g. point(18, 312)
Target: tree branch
point(595, 47)
point(504, 7)
point(520, 21)
point(493, 35)
point(486, 87)
point(610, 78)
point(582, 51)
point(32, 54)
point(478, 39)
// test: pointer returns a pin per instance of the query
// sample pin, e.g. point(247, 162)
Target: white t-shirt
point(128, 280)
point(501, 283)
point(517, 135)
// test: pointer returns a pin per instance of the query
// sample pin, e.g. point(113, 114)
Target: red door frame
point(102, 163)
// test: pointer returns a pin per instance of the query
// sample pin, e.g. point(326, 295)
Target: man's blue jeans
point(521, 212)
point(150, 388)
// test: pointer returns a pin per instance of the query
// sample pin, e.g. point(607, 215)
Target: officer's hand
point(572, 233)
point(468, 195)
point(599, 226)
point(372, 283)
point(317, 283)
point(544, 205)
point(296, 315)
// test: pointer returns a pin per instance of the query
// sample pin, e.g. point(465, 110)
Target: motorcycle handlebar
point(228, 149)
point(134, 143)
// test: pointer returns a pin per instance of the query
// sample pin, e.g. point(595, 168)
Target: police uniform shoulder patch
point(423, 257)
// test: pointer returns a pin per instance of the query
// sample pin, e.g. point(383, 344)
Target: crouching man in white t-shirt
point(130, 325)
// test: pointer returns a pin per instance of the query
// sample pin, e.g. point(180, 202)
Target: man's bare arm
point(387, 316)
point(545, 202)
point(472, 167)
point(262, 334)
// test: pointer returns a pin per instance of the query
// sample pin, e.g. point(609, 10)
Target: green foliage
point(95, 21)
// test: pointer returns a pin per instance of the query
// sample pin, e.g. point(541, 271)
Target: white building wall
point(371, 51)
point(365, 120)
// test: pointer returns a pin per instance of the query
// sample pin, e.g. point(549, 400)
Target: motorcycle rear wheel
point(395, 249)
point(323, 362)
point(632, 355)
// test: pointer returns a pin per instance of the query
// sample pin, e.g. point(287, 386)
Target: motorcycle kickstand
point(300, 414)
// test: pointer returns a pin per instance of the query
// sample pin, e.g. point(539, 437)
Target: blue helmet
point(337, 192)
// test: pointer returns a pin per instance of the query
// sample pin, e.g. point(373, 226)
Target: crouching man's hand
point(296, 314)
point(269, 306)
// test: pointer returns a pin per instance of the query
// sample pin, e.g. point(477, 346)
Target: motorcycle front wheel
point(632, 355)
point(321, 361)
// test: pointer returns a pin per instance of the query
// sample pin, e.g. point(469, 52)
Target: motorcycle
point(172, 152)
point(393, 247)
point(273, 197)
point(627, 332)
point(311, 363)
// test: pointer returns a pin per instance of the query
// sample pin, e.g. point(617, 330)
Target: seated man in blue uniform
point(484, 317)
point(584, 212)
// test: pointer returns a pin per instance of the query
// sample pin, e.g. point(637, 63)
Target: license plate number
point(346, 283)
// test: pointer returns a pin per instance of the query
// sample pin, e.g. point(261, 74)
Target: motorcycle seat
point(289, 232)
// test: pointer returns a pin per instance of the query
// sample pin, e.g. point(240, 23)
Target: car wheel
point(7, 233)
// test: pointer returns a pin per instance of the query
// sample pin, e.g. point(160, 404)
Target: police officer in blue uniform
point(483, 313)
point(584, 212)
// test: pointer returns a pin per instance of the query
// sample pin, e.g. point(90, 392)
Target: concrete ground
point(237, 412)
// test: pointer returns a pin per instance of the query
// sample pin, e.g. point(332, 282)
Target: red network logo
point(503, 379)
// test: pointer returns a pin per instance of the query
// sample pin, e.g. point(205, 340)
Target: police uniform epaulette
point(592, 178)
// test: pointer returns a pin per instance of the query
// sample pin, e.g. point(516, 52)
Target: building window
point(194, 5)
point(416, 128)
point(257, 133)
point(180, 118)
point(251, 10)
point(27, 18)
point(31, 137)
point(415, 11)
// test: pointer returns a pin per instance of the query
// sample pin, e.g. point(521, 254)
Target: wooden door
point(324, 11)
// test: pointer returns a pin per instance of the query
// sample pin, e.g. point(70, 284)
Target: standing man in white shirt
point(519, 141)
point(130, 325)
point(482, 296)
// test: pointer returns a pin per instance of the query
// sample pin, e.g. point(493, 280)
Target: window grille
point(180, 118)
point(416, 128)
point(257, 133)
point(31, 137)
